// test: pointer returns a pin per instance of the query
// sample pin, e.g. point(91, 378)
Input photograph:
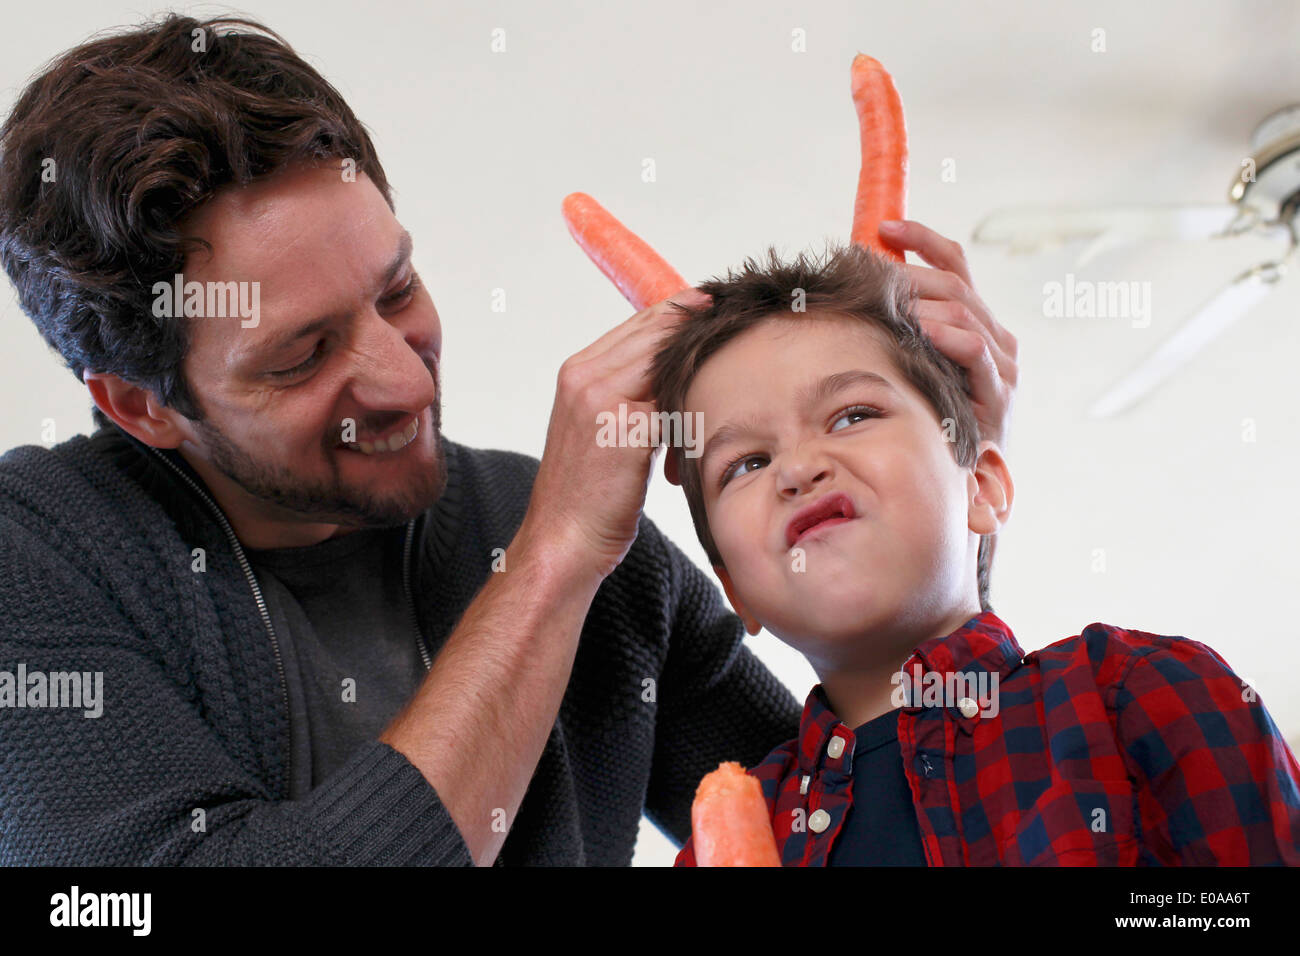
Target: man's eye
point(405, 292)
point(301, 367)
point(851, 416)
point(738, 467)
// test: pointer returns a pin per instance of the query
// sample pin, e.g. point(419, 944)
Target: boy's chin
point(816, 626)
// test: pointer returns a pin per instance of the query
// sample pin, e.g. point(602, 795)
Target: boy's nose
point(800, 473)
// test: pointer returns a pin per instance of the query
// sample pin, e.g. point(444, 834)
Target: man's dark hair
point(121, 137)
point(849, 281)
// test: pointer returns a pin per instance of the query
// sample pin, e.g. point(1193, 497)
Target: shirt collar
point(983, 643)
point(816, 728)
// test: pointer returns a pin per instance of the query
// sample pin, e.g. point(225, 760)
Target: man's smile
point(391, 441)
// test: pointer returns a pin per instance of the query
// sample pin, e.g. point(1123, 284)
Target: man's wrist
point(559, 558)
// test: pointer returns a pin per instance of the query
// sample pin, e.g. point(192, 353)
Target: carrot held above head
point(645, 278)
point(730, 822)
point(882, 181)
point(640, 273)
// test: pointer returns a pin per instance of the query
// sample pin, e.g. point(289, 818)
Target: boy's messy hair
point(848, 280)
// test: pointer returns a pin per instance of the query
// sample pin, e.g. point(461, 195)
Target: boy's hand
point(960, 324)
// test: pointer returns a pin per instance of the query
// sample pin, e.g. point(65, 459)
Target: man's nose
point(396, 367)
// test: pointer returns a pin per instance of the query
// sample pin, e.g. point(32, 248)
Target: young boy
point(845, 498)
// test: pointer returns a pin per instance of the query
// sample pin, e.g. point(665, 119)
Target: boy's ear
point(991, 491)
point(751, 626)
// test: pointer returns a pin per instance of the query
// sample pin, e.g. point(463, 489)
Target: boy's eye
point(738, 466)
point(851, 416)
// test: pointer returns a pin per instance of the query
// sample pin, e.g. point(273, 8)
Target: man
point(268, 541)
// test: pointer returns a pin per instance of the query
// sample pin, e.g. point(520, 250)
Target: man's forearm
point(478, 724)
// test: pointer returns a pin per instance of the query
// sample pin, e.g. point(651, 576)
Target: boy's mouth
point(831, 508)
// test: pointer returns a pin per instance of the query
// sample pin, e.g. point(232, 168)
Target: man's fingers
point(622, 372)
point(661, 315)
point(628, 364)
point(970, 350)
point(938, 250)
point(956, 315)
point(940, 284)
point(616, 367)
point(691, 296)
point(958, 322)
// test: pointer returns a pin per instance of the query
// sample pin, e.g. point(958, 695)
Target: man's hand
point(960, 324)
point(588, 498)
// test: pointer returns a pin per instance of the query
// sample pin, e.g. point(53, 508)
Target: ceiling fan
point(1264, 201)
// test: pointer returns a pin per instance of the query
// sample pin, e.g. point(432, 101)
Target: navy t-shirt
point(880, 828)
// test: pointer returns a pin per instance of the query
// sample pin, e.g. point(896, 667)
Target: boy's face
point(812, 412)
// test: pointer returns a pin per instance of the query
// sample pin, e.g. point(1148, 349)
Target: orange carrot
point(640, 273)
point(882, 181)
point(730, 822)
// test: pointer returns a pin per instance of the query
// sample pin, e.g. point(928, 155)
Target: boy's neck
point(859, 691)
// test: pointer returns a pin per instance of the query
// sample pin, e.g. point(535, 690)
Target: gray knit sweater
point(189, 761)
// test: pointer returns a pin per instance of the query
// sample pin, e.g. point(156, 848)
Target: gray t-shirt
point(350, 649)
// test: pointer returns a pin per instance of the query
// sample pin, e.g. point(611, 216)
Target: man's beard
point(329, 501)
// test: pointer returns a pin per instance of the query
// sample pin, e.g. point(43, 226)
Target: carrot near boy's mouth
point(832, 508)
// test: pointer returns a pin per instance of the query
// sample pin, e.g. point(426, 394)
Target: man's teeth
point(393, 442)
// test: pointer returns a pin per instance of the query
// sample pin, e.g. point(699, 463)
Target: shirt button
point(818, 821)
point(835, 747)
point(968, 707)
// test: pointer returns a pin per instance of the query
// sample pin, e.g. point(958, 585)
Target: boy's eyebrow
point(279, 340)
point(805, 398)
point(820, 391)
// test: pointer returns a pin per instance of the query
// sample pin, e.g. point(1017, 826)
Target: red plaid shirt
point(1113, 747)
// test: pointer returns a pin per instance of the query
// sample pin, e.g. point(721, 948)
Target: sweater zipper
point(410, 601)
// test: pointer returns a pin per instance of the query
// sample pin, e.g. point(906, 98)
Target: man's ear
point(670, 467)
point(751, 626)
point(137, 411)
point(991, 491)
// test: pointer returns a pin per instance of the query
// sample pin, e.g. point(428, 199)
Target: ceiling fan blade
point(1101, 245)
point(1029, 228)
point(1226, 306)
